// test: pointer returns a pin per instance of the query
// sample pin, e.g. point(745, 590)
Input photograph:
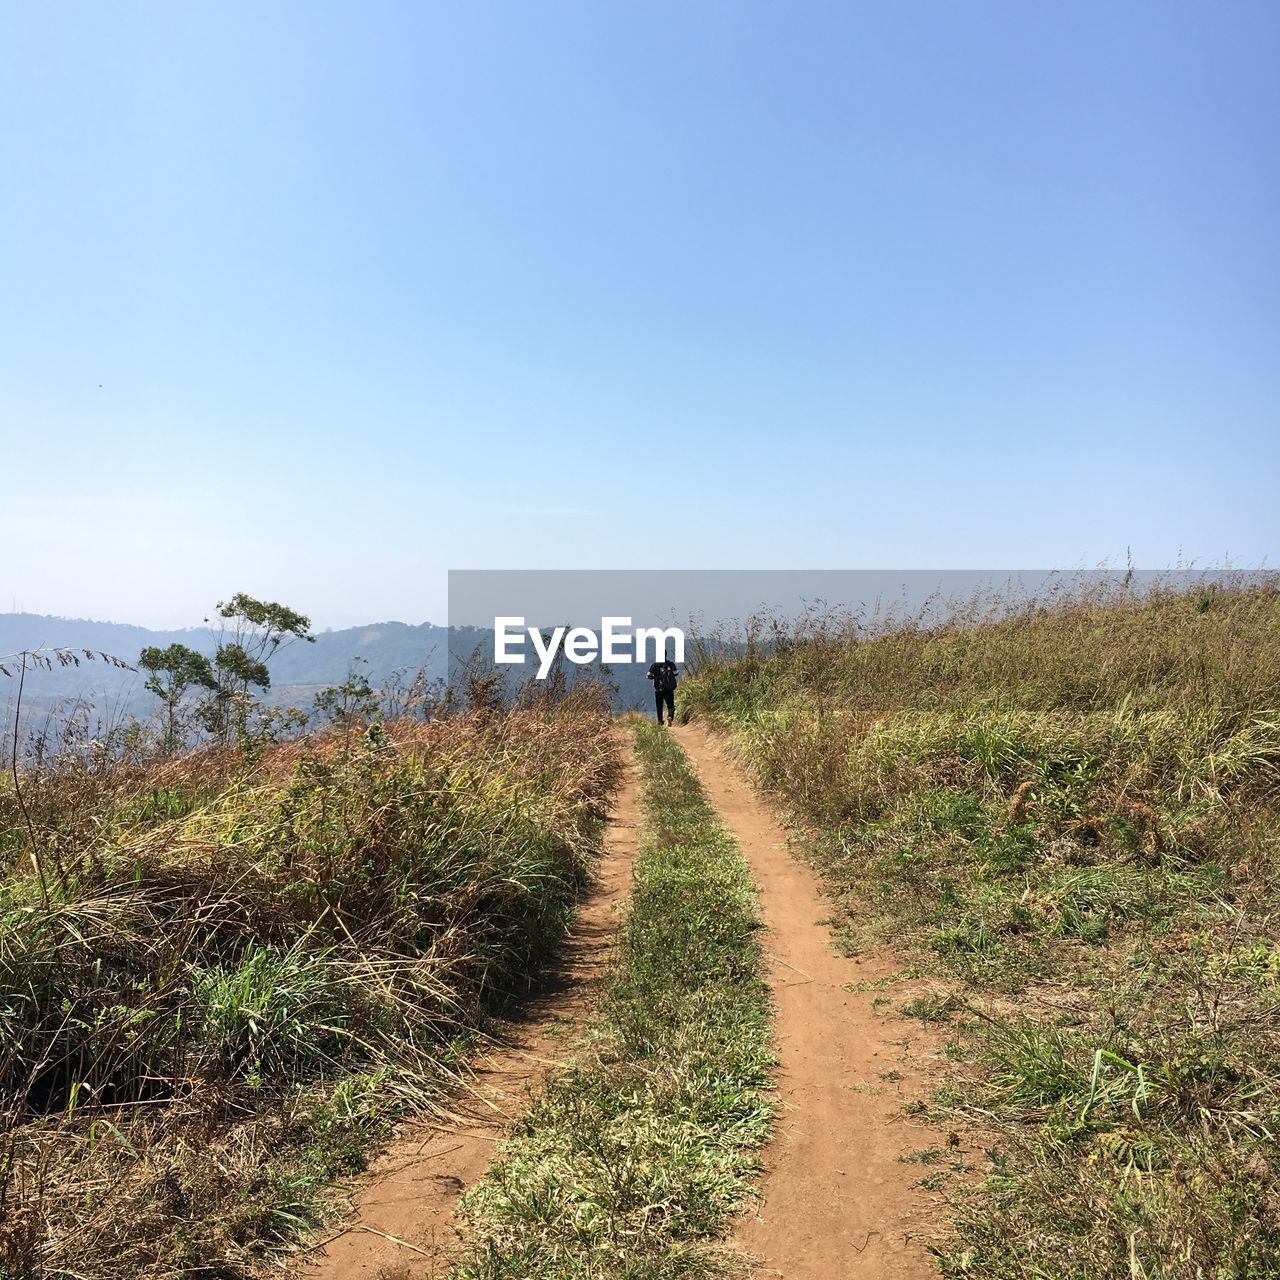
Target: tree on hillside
point(251, 633)
point(175, 670)
point(352, 701)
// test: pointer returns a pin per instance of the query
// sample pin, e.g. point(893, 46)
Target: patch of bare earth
point(839, 1196)
point(404, 1225)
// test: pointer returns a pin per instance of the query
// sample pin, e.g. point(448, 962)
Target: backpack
point(665, 676)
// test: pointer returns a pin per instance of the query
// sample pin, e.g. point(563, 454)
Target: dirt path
point(404, 1226)
point(837, 1200)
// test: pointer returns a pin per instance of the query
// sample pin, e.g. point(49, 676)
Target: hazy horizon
point(201, 624)
point(548, 595)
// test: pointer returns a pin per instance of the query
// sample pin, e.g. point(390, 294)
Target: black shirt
point(664, 675)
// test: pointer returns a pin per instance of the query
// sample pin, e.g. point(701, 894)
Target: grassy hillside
point(1070, 815)
point(236, 975)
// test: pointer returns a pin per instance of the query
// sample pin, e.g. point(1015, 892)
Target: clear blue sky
point(318, 300)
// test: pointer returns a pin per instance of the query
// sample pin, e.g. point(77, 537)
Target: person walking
point(664, 675)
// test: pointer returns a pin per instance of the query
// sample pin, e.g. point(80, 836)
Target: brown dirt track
point(837, 1201)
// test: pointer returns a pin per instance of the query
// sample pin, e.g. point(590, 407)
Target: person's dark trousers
point(667, 698)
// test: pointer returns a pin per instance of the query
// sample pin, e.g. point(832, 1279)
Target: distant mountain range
point(298, 671)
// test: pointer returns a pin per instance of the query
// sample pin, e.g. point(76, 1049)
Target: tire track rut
point(837, 1200)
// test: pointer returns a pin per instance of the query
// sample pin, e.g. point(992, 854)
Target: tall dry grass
point(245, 970)
point(1066, 810)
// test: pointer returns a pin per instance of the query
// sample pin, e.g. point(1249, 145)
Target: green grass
point(630, 1162)
point(1069, 814)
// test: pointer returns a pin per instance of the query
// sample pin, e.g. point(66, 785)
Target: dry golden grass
point(1069, 811)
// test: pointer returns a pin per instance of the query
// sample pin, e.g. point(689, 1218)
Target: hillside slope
point(225, 977)
point(1070, 819)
